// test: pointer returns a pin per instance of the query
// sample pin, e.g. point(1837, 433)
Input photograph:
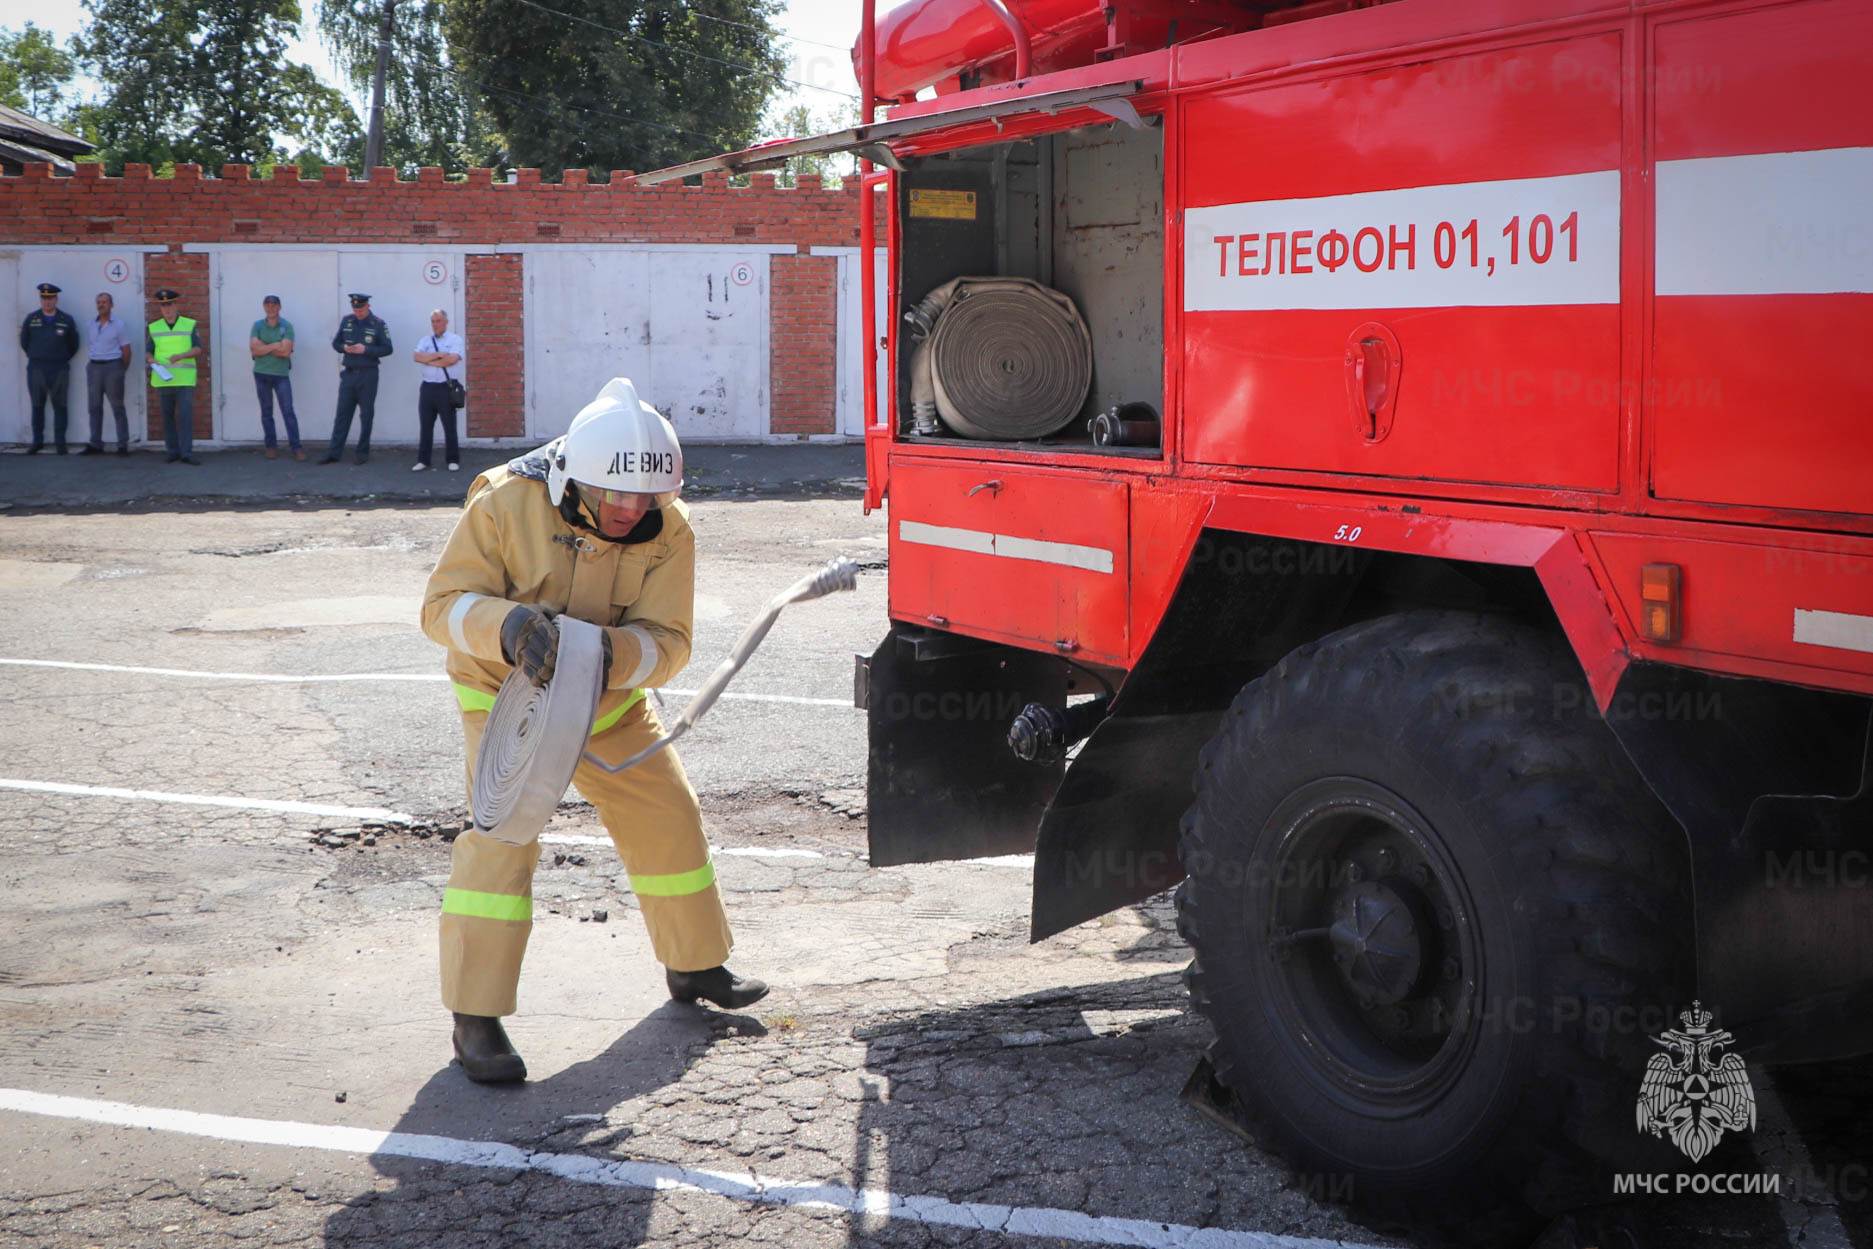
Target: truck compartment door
point(1759, 389)
point(1034, 559)
point(1461, 212)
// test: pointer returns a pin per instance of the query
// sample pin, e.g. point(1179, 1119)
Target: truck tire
point(1435, 912)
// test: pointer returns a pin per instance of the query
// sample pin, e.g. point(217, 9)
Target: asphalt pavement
point(244, 475)
point(230, 770)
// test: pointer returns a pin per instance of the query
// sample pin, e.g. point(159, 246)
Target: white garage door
point(687, 325)
point(313, 284)
point(83, 272)
point(305, 281)
point(851, 345)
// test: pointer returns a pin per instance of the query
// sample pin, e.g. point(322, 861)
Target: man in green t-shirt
point(271, 344)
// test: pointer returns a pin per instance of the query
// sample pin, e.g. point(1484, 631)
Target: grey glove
point(531, 643)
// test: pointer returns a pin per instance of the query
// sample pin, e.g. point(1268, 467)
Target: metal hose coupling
point(535, 736)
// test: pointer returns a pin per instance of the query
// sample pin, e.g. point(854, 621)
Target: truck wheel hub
point(1377, 941)
point(1374, 946)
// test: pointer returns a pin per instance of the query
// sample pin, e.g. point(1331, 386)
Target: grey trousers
point(104, 379)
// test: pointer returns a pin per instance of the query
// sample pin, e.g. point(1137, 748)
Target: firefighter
point(588, 525)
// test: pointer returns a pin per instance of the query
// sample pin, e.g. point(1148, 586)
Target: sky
point(822, 31)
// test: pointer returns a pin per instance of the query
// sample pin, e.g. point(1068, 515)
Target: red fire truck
point(1454, 573)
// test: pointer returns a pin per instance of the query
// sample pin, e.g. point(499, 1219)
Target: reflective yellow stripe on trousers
point(487, 905)
point(472, 699)
point(675, 885)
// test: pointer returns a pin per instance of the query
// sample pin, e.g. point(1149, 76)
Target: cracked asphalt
point(280, 966)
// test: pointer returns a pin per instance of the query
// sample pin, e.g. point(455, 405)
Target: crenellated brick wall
point(479, 215)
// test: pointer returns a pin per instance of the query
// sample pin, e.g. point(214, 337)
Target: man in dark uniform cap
point(174, 345)
point(49, 338)
point(362, 340)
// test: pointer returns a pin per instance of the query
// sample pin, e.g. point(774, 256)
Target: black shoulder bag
point(458, 393)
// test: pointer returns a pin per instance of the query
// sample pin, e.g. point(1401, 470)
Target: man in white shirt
point(440, 354)
point(105, 367)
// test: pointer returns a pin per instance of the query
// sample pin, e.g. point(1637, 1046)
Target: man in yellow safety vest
point(173, 346)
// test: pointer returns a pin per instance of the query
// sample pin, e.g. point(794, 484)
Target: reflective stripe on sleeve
point(458, 616)
point(675, 885)
point(646, 654)
point(476, 905)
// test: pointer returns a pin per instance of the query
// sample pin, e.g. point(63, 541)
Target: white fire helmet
point(618, 442)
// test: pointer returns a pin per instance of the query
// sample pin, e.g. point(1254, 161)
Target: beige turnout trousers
point(654, 821)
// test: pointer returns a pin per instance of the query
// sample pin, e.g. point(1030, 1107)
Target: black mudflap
point(942, 783)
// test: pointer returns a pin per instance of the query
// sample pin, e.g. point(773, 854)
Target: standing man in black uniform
point(362, 340)
point(49, 337)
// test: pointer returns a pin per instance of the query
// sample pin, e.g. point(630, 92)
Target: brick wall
point(492, 307)
point(159, 215)
point(802, 352)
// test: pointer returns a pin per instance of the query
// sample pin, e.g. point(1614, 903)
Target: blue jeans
point(267, 385)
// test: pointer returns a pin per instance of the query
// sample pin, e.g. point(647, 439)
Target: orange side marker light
point(1658, 602)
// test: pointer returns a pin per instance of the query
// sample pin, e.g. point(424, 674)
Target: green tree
point(35, 72)
point(202, 81)
point(801, 121)
point(618, 84)
point(432, 116)
point(324, 128)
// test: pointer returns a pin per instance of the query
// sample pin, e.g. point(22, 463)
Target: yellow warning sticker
point(954, 205)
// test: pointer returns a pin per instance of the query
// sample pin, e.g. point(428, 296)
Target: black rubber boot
point(718, 985)
point(484, 1051)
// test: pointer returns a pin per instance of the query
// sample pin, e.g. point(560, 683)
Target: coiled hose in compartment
point(1001, 358)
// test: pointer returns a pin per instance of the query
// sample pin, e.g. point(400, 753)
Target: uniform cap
point(48, 288)
point(357, 299)
point(269, 299)
point(165, 296)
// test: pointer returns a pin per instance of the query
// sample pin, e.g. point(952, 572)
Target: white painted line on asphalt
point(735, 1185)
point(1002, 860)
point(748, 852)
point(337, 677)
point(383, 815)
point(790, 699)
point(269, 677)
point(380, 814)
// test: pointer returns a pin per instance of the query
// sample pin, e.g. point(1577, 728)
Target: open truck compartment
point(1079, 211)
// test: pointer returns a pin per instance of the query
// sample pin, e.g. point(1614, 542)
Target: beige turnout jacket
point(512, 547)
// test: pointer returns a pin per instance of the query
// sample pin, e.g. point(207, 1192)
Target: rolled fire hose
point(1003, 358)
point(536, 734)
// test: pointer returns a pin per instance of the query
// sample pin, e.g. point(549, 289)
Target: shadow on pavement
point(419, 1204)
point(1063, 1099)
